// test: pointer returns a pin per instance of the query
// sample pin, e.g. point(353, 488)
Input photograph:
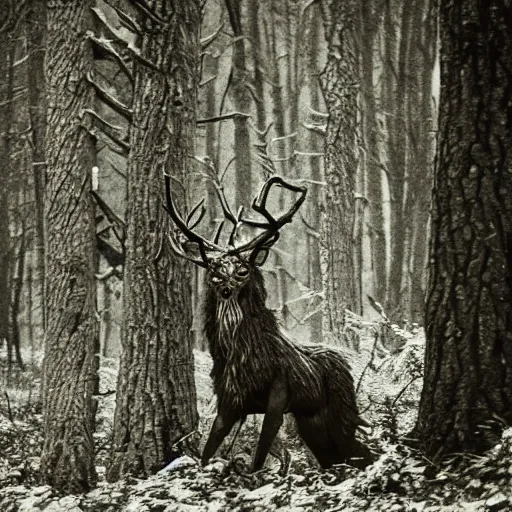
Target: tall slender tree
point(156, 403)
point(35, 27)
point(241, 98)
point(339, 82)
point(70, 362)
point(467, 394)
point(7, 122)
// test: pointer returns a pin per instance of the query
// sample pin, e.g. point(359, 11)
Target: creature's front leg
point(277, 404)
point(221, 427)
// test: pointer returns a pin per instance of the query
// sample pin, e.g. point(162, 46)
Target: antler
point(262, 242)
point(237, 219)
point(186, 229)
point(266, 239)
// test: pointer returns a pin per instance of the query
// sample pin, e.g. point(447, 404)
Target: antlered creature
point(256, 368)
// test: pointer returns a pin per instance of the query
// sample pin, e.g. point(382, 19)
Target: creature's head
point(230, 267)
point(227, 274)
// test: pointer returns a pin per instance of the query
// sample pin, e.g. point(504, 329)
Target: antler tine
point(200, 204)
point(236, 225)
point(182, 254)
point(218, 232)
point(228, 213)
point(271, 233)
point(202, 243)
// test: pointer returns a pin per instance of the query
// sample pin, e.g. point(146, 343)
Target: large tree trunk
point(156, 401)
point(70, 364)
point(468, 366)
point(340, 87)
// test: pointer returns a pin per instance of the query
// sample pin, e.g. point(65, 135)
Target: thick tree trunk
point(70, 364)
point(156, 401)
point(468, 366)
point(339, 83)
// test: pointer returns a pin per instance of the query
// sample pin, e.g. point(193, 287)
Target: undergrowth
point(387, 369)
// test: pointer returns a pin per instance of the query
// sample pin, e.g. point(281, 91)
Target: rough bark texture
point(396, 102)
point(241, 99)
point(373, 193)
point(468, 367)
point(315, 144)
point(340, 87)
point(35, 29)
point(156, 401)
point(6, 120)
point(70, 364)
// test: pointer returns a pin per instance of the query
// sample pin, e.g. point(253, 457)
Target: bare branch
point(223, 117)
point(146, 10)
point(135, 53)
point(113, 143)
point(110, 100)
point(207, 81)
point(118, 224)
point(128, 21)
point(108, 50)
point(208, 40)
point(321, 129)
point(113, 132)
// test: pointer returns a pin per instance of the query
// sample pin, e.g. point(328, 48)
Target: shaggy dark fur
point(257, 369)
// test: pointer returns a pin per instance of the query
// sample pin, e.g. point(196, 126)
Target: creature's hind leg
point(314, 432)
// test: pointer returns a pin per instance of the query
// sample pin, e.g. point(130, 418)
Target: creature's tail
point(343, 415)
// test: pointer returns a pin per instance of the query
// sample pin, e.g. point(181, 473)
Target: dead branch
point(110, 100)
point(118, 224)
point(107, 49)
point(128, 21)
point(208, 40)
point(109, 129)
point(316, 128)
point(143, 6)
point(223, 117)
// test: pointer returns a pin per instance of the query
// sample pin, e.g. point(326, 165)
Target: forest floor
point(389, 384)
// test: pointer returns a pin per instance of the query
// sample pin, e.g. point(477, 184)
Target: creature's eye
point(242, 272)
point(216, 279)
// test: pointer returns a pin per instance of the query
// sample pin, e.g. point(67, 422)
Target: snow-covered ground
point(399, 480)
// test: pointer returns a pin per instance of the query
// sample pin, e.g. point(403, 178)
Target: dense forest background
point(394, 114)
point(261, 109)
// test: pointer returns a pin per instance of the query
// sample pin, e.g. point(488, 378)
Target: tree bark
point(36, 49)
point(339, 82)
point(468, 365)
point(315, 145)
point(242, 103)
point(6, 126)
point(373, 167)
point(70, 363)
point(156, 400)
point(397, 151)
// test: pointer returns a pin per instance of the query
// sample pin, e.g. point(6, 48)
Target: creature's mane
point(248, 358)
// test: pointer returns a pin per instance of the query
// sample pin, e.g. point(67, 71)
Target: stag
point(257, 369)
